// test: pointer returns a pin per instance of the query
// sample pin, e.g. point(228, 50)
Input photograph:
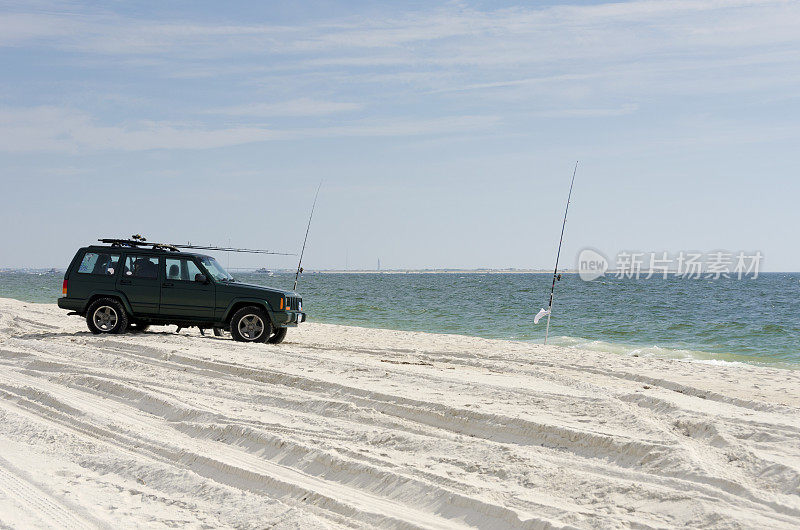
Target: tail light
point(64, 288)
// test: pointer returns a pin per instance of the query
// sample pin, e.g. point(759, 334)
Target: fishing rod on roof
point(245, 250)
point(137, 240)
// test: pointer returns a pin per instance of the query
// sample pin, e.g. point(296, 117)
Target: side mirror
point(201, 278)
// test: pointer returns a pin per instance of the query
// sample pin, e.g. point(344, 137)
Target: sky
point(444, 134)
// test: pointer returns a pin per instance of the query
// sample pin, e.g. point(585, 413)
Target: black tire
point(250, 324)
point(278, 336)
point(106, 316)
point(138, 327)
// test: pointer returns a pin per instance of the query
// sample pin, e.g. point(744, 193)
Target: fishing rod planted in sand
point(549, 309)
point(300, 262)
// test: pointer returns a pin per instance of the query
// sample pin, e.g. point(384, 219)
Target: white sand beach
point(345, 427)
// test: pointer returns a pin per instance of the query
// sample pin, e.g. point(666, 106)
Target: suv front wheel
point(250, 324)
point(278, 337)
point(106, 315)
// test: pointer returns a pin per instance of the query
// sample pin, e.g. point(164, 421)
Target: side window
point(96, 263)
point(194, 270)
point(141, 267)
point(181, 269)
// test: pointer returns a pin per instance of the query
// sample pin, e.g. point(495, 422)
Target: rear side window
point(141, 267)
point(97, 263)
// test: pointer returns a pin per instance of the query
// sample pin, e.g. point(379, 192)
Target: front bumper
point(288, 319)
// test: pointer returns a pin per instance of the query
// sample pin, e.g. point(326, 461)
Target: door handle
point(125, 282)
point(167, 284)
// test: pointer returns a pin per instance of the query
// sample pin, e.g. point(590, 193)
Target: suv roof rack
point(131, 243)
point(138, 241)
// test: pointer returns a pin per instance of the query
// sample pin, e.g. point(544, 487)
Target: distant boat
point(266, 271)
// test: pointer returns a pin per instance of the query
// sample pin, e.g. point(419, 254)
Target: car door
point(182, 296)
point(141, 284)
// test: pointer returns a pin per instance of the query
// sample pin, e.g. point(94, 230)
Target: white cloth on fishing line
point(542, 313)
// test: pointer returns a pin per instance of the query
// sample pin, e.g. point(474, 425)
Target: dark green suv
point(120, 287)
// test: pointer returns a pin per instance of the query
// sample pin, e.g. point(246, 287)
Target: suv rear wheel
point(106, 315)
point(250, 324)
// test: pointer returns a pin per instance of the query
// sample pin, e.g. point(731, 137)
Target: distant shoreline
point(346, 271)
point(252, 270)
point(436, 271)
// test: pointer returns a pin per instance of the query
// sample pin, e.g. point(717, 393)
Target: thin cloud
point(427, 68)
point(535, 50)
point(295, 107)
point(449, 35)
point(53, 129)
point(590, 112)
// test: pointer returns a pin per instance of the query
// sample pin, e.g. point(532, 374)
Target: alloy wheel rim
point(105, 318)
point(251, 327)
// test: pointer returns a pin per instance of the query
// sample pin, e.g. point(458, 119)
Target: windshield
point(216, 270)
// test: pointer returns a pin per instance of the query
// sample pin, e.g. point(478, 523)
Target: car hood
point(257, 289)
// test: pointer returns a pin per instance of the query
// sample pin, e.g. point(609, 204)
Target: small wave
point(679, 325)
point(656, 351)
point(717, 362)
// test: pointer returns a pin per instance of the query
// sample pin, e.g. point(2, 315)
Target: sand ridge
point(353, 427)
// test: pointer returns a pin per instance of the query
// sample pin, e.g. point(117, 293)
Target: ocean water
point(749, 320)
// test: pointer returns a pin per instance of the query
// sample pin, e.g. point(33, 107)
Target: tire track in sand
point(232, 466)
point(623, 452)
point(36, 503)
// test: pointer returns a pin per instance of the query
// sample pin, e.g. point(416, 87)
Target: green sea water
point(748, 320)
